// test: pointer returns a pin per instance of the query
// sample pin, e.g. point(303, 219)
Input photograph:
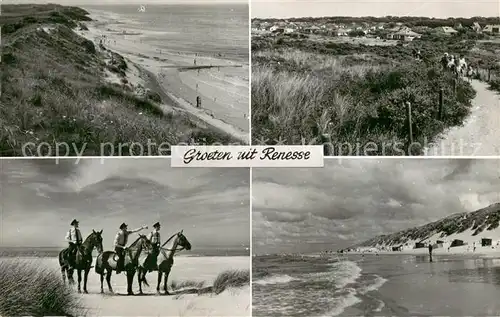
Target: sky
point(320, 8)
point(39, 199)
point(114, 2)
point(353, 200)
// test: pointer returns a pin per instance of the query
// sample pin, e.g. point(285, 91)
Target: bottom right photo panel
point(377, 237)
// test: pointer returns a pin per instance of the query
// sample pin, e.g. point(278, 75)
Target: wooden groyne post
point(441, 104)
point(409, 122)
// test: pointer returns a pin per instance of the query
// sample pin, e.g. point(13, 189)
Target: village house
point(491, 28)
point(476, 27)
point(404, 34)
point(447, 30)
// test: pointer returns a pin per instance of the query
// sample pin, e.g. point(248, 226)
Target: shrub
point(28, 289)
point(231, 278)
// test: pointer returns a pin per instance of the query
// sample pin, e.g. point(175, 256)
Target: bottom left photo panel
point(123, 237)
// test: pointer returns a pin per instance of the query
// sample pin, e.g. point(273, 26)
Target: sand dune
point(232, 302)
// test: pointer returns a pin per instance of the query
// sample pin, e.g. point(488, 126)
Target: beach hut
point(457, 243)
point(419, 245)
point(485, 242)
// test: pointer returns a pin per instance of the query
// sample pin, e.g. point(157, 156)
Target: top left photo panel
point(124, 78)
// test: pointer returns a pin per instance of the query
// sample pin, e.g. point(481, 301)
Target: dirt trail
point(480, 133)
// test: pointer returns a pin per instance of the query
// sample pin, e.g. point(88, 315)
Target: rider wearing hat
point(74, 238)
point(121, 239)
point(154, 237)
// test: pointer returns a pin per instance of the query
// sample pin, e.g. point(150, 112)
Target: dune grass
point(298, 96)
point(54, 91)
point(231, 279)
point(225, 280)
point(28, 289)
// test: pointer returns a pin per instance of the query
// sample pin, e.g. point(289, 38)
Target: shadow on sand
point(186, 291)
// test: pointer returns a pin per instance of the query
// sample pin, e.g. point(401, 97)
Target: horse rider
point(154, 237)
point(121, 239)
point(74, 238)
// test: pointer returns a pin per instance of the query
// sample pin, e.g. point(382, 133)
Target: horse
point(83, 260)
point(107, 262)
point(165, 260)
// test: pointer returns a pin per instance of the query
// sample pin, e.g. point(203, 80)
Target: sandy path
point(480, 134)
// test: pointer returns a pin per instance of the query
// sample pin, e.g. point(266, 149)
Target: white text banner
point(248, 156)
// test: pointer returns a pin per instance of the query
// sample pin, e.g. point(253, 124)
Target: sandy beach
point(232, 302)
point(221, 83)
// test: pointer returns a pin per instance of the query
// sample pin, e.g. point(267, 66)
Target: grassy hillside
point(479, 221)
point(305, 86)
point(53, 91)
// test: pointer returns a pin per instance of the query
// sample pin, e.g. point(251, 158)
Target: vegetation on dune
point(231, 279)
point(303, 88)
point(225, 280)
point(480, 221)
point(27, 289)
point(53, 91)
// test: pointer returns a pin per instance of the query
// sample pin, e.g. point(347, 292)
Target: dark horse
point(108, 261)
point(83, 259)
point(177, 242)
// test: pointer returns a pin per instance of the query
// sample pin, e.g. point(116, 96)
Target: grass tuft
point(28, 289)
point(231, 279)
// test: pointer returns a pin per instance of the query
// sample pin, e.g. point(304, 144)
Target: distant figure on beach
point(474, 247)
point(430, 251)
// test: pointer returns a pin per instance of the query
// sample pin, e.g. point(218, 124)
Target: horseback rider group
point(74, 238)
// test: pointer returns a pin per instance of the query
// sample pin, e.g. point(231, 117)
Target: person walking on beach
point(74, 238)
point(121, 239)
point(430, 251)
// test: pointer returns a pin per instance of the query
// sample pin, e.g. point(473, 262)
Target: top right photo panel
point(377, 78)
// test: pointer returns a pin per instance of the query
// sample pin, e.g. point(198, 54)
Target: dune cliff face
point(478, 222)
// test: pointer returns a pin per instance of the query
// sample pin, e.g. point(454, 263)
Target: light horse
point(108, 261)
point(83, 260)
point(165, 260)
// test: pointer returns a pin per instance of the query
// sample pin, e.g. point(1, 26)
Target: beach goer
point(154, 237)
point(74, 238)
point(430, 251)
point(121, 239)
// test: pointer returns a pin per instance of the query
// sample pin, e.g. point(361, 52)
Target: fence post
point(409, 122)
point(489, 74)
point(198, 102)
point(326, 140)
point(441, 103)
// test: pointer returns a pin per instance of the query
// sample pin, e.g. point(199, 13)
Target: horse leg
point(108, 280)
point(167, 272)
point(79, 272)
point(70, 272)
point(160, 274)
point(85, 278)
point(139, 280)
point(63, 273)
point(130, 281)
point(102, 282)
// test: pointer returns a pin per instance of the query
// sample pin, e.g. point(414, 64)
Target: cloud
point(352, 200)
point(357, 8)
point(211, 205)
